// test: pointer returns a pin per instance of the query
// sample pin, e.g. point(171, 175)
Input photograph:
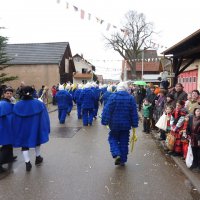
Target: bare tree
point(132, 39)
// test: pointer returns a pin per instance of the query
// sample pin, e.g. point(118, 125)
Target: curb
point(194, 178)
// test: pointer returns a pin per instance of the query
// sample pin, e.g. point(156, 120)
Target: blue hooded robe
point(6, 118)
point(31, 123)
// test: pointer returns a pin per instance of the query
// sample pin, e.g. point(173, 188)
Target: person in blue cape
point(65, 104)
point(32, 126)
point(6, 131)
point(77, 100)
point(87, 97)
point(120, 114)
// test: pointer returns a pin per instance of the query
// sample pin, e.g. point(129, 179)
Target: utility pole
point(142, 63)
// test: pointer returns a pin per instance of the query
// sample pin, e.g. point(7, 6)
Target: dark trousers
point(146, 124)
point(196, 156)
point(54, 100)
point(6, 154)
point(162, 134)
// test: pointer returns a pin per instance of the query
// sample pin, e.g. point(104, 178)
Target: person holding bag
point(193, 130)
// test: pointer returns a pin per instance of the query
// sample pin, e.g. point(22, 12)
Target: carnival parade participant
point(77, 100)
point(65, 104)
point(96, 91)
point(107, 94)
point(120, 114)
point(6, 132)
point(87, 97)
point(32, 125)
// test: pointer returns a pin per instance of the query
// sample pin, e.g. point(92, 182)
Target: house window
point(194, 79)
point(84, 70)
point(66, 65)
point(190, 79)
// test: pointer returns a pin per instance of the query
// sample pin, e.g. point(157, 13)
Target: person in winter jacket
point(6, 131)
point(193, 130)
point(146, 108)
point(120, 114)
point(32, 126)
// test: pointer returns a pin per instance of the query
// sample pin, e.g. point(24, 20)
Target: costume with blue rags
point(87, 97)
point(65, 104)
point(77, 101)
point(120, 114)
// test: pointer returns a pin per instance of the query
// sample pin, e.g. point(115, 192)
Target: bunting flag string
point(120, 60)
point(108, 24)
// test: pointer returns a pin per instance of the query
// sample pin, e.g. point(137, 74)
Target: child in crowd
point(177, 122)
point(146, 115)
point(168, 111)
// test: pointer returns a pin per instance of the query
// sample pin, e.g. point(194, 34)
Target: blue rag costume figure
point(87, 97)
point(106, 95)
point(65, 104)
point(32, 125)
point(77, 101)
point(120, 114)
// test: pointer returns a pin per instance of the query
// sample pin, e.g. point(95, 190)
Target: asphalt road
point(78, 165)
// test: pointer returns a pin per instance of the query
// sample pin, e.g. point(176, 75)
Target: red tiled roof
point(148, 66)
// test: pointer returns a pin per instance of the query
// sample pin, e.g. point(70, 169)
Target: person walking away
point(64, 101)
point(120, 114)
point(106, 95)
point(6, 129)
point(87, 97)
point(32, 126)
point(77, 100)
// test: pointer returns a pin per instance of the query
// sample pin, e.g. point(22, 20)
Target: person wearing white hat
point(87, 98)
point(107, 94)
point(64, 101)
point(120, 114)
point(77, 100)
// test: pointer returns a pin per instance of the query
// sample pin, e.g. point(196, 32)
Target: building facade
point(40, 63)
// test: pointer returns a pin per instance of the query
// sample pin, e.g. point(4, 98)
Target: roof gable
point(36, 53)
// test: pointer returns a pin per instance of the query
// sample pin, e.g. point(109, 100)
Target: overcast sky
point(29, 21)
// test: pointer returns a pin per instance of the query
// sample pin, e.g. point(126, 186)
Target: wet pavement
point(78, 165)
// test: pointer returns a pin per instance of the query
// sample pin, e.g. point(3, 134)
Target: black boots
point(28, 166)
point(38, 160)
